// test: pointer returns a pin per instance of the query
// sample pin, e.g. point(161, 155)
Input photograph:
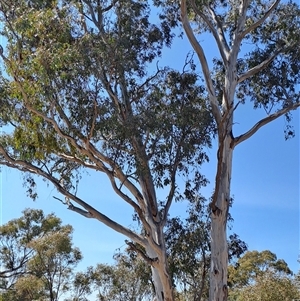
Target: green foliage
point(260, 276)
point(82, 89)
point(78, 77)
point(129, 278)
point(268, 287)
point(254, 264)
point(37, 257)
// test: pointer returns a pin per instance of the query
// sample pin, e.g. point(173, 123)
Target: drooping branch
point(261, 20)
point(26, 166)
point(259, 67)
point(263, 122)
point(218, 34)
point(200, 53)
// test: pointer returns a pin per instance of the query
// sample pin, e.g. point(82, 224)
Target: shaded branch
point(91, 132)
point(263, 122)
point(97, 23)
point(173, 182)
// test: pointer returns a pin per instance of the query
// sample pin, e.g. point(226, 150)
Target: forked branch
point(218, 34)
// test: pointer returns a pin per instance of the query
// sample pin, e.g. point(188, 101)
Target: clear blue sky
point(265, 185)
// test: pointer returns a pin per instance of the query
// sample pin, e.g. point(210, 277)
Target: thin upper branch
point(261, 20)
point(259, 67)
point(125, 197)
point(199, 50)
point(241, 20)
point(97, 23)
point(118, 173)
point(263, 122)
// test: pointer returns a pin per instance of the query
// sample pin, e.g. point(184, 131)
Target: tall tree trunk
point(220, 205)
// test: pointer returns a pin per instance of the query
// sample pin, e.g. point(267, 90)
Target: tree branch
point(259, 67)
point(263, 122)
point(77, 160)
point(260, 21)
point(200, 53)
point(97, 23)
point(218, 34)
point(26, 166)
point(241, 20)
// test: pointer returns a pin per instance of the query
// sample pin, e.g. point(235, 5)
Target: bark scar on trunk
point(216, 211)
point(225, 290)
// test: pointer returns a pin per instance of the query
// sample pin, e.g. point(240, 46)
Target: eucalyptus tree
point(256, 61)
point(82, 89)
point(261, 276)
point(37, 257)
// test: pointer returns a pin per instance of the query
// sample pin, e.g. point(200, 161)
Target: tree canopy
point(82, 89)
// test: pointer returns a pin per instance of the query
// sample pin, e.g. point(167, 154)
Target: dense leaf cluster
point(81, 78)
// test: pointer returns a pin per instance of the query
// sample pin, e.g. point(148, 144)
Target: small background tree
point(37, 257)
